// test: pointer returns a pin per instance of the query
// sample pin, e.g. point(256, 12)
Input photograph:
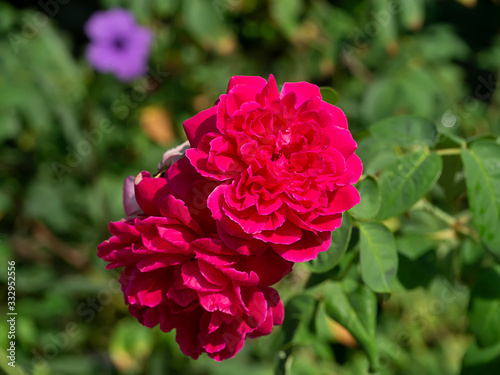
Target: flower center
point(119, 43)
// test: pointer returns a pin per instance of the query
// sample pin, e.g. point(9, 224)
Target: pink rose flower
point(179, 274)
point(284, 163)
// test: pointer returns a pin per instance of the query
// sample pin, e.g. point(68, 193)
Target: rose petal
point(304, 91)
point(306, 249)
point(146, 191)
point(199, 125)
point(258, 83)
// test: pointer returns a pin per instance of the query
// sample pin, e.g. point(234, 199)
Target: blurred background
point(69, 136)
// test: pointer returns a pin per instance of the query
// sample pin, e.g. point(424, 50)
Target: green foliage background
point(413, 274)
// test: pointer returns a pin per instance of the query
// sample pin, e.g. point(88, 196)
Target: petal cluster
point(177, 273)
point(284, 164)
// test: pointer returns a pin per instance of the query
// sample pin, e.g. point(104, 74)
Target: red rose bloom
point(179, 274)
point(284, 163)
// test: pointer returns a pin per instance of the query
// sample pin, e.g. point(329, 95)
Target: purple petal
point(105, 24)
point(129, 202)
point(172, 155)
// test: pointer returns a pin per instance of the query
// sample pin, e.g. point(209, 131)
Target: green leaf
point(286, 14)
point(298, 314)
point(405, 131)
point(387, 34)
point(375, 155)
point(9, 370)
point(481, 360)
point(7, 17)
point(369, 205)
point(447, 133)
point(413, 273)
point(484, 320)
point(379, 99)
point(11, 125)
point(203, 22)
point(130, 344)
point(63, 67)
point(321, 320)
point(364, 302)
point(406, 181)
point(452, 179)
point(482, 177)
point(141, 10)
point(471, 252)
point(166, 7)
point(417, 93)
point(357, 364)
point(413, 246)
point(77, 364)
point(440, 43)
point(484, 309)
point(326, 260)
point(329, 95)
point(413, 14)
point(304, 364)
point(340, 308)
point(378, 256)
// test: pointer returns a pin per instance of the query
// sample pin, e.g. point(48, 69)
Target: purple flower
point(117, 44)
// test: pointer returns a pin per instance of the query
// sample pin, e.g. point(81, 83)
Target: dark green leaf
point(11, 125)
point(481, 360)
point(484, 309)
point(440, 43)
point(7, 17)
point(406, 181)
point(364, 302)
point(167, 8)
point(472, 252)
point(405, 131)
point(379, 99)
point(413, 273)
point(413, 246)
point(74, 364)
point(447, 134)
point(340, 309)
point(358, 364)
point(326, 260)
point(298, 313)
point(452, 179)
point(329, 95)
point(378, 256)
point(369, 193)
point(323, 331)
point(482, 175)
point(416, 88)
point(375, 155)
